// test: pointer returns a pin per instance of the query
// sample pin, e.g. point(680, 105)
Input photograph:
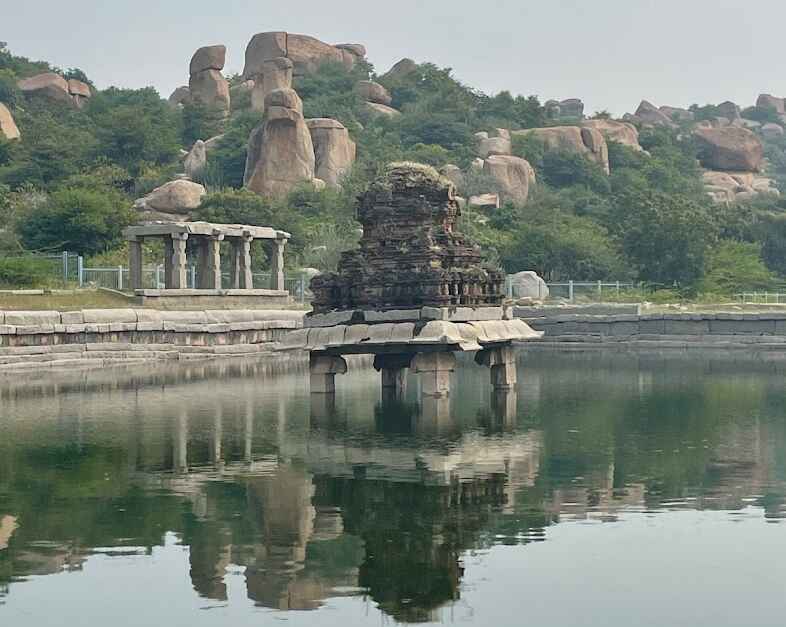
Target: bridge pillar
point(394, 374)
point(434, 370)
point(502, 361)
point(323, 370)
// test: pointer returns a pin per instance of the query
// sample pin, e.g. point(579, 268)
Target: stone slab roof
point(155, 229)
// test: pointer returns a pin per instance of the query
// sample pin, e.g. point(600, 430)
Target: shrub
point(24, 272)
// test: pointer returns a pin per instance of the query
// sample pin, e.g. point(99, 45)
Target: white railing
point(762, 298)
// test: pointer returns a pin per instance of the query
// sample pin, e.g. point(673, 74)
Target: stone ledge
point(418, 314)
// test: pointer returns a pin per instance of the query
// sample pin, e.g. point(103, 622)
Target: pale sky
point(610, 53)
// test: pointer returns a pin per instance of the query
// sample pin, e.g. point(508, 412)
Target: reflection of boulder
point(7, 527)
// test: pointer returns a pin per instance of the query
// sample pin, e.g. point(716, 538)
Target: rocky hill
point(665, 194)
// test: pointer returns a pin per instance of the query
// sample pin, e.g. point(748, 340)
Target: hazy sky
point(610, 53)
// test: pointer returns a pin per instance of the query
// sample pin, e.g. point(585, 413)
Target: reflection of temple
point(362, 496)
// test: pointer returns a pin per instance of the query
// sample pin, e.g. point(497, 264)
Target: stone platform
point(178, 299)
point(422, 339)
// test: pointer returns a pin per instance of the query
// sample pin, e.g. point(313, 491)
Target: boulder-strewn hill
point(685, 197)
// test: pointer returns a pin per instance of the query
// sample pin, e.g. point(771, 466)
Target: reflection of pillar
point(248, 435)
point(434, 414)
point(209, 266)
point(503, 402)
point(323, 370)
point(178, 276)
point(277, 265)
point(135, 263)
point(218, 434)
point(394, 374)
point(502, 361)
point(180, 444)
point(434, 370)
point(323, 408)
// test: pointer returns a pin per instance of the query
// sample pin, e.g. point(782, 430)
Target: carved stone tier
point(409, 255)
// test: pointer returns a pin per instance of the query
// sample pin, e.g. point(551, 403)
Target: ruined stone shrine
point(412, 294)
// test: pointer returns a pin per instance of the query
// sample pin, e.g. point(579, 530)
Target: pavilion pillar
point(502, 361)
point(209, 266)
point(169, 253)
point(135, 263)
point(178, 276)
point(323, 370)
point(277, 265)
point(434, 370)
point(242, 278)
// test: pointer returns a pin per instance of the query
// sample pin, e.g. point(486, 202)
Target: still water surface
point(607, 490)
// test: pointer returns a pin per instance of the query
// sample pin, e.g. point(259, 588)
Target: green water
point(607, 490)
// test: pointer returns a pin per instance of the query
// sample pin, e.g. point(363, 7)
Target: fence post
point(193, 277)
point(600, 290)
point(80, 270)
point(570, 290)
point(618, 288)
point(119, 277)
point(302, 288)
point(65, 268)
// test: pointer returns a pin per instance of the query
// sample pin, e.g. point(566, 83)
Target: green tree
point(735, 267)
point(84, 220)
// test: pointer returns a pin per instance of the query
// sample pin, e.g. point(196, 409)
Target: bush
point(24, 272)
point(735, 267)
point(87, 221)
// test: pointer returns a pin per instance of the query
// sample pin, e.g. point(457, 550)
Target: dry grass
point(65, 301)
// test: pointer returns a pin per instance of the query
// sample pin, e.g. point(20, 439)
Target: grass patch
point(65, 301)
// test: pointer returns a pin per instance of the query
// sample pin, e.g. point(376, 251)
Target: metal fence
point(117, 278)
point(762, 298)
point(589, 290)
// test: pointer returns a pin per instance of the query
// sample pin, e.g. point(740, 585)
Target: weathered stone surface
point(677, 114)
point(8, 128)
point(373, 92)
point(49, 85)
point(650, 115)
point(78, 88)
point(196, 160)
point(772, 131)
point(262, 47)
point(729, 148)
point(454, 173)
point(484, 201)
point(181, 96)
point(729, 110)
point(276, 74)
point(380, 109)
point(211, 89)
point(528, 284)
point(334, 151)
point(280, 150)
point(583, 140)
point(514, 176)
point(306, 53)
point(177, 197)
point(208, 58)
point(409, 255)
point(400, 70)
point(621, 132)
point(494, 146)
point(570, 108)
point(726, 187)
point(766, 101)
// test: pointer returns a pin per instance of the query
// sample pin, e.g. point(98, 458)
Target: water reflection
point(317, 498)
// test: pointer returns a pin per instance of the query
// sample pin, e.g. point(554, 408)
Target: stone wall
point(763, 331)
point(98, 337)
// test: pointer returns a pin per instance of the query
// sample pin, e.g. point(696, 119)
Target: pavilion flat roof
point(153, 229)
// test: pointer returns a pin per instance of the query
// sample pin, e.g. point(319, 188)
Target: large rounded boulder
point(729, 148)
